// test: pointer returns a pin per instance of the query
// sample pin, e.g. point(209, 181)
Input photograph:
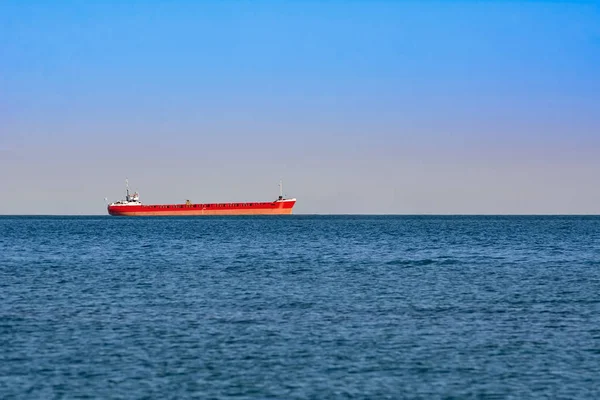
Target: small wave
point(415, 263)
point(423, 262)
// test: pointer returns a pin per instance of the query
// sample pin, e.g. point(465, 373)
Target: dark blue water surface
point(300, 307)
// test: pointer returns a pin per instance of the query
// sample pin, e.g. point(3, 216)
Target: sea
point(300, 307)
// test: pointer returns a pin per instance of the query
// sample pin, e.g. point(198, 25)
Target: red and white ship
point(132, 206)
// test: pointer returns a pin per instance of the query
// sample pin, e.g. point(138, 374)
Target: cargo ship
point(132, 206)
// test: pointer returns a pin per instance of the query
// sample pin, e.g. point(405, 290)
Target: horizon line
point(327, 214)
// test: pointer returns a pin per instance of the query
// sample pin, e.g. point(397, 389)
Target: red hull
point(278, 207)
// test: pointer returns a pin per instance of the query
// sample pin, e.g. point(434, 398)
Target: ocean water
point(300, 307)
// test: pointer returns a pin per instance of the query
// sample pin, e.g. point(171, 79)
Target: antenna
point(127, 185)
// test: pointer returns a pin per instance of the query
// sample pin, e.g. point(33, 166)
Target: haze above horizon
point(366, 107)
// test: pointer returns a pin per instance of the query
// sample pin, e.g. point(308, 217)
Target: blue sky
point(360, 106)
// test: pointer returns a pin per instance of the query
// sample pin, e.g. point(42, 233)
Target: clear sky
point(360, 106)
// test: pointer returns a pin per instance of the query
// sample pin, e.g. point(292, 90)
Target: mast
point(280, 189)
